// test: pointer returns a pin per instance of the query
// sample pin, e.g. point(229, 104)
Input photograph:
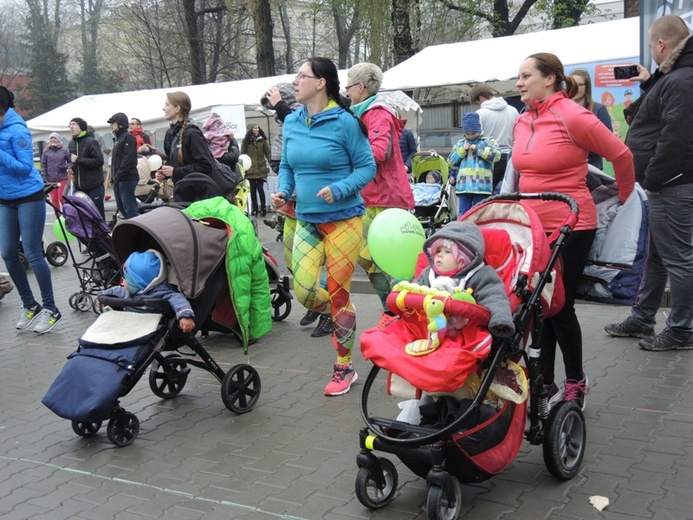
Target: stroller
point(433, 212)
point(100, 269)
point(116, 351)
point(198, 186)
point(470, 409)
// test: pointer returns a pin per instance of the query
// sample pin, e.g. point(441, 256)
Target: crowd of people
point(360, 155)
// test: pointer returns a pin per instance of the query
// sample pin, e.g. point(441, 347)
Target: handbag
point(224, 178)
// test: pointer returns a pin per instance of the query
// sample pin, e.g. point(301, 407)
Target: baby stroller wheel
point(367, 490)
point(83, 302)
point(440, 506)
point(123, 428)
point(56, 254)
point(86, 429)
point(564, 441)
point(281, 305)
point(240, 388)
point(168, 383)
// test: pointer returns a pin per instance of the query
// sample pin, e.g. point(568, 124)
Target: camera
point(627, 72)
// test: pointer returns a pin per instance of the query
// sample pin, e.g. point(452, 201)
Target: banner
point(234, 118)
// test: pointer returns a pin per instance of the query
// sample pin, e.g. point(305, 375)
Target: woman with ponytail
point(327, 160)
point(185, 144)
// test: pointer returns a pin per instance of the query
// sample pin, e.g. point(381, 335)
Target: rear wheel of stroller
point(86, 429)
point(83, 302)
point(123, 428)
point(281, 305)
point(240, 388)
point(440, 506)
point(168, 384)
point(564, 441)
point(56, 254)
point(367, 490)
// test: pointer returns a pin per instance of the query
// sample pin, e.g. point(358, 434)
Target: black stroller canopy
point(193, 248)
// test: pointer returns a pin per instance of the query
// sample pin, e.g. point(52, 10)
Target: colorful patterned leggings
point(335, 245)
point(382, 283)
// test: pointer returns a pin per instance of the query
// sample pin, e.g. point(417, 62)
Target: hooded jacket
point(257, 148)
point(390, 187)
point(196, 154)
point(19, 177)
point(660, 134)
point(497, 121)
point(488, 288)
point(54, 163)
point(88, 167)
point(124, 155)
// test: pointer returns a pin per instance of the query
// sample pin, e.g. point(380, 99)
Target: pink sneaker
point(576, 391)
point(342, 378)
point(385, 320)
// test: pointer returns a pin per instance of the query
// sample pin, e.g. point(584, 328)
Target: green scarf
point(361, 107)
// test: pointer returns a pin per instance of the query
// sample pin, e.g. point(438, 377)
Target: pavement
point(293, 456)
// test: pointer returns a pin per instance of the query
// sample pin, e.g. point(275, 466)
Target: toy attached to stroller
point(116, 351)
point(432, 207)
point(465, 418)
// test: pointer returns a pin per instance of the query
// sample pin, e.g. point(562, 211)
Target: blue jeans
point(96, 194)
point(465, 201)
point(126, 201)
point(670, 256)
point(26, 221)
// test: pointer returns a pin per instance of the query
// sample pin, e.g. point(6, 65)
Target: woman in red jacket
point(552, 140)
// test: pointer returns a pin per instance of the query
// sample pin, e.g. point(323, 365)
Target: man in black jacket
point(660, 139)
point(86, 172)
point(124, 166)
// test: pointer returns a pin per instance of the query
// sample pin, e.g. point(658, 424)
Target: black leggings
point(257, 188)
point(564, 327)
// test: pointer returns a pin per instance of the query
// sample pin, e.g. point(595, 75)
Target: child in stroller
point(145, 274)
point(435, 203)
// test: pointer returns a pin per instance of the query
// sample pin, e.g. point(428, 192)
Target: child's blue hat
point(471, 122)
point(140, 269)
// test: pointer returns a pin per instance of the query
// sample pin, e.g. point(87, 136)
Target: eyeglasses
point(133, 124)
point(352, 85)
point(301, 76)
point(581, 84)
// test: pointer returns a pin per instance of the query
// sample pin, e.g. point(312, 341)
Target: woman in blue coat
point(23, 217)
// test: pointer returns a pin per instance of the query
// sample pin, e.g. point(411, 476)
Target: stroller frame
point(434, 216)
point(426, 450)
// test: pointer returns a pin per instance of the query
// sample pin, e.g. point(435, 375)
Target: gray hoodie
point(497, 121)
point(488, 288)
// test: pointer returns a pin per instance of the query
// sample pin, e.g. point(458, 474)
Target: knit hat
point(437, 177)
point(462, 255)
point(471, 122)
point(80, 122)
point(140, 269)
point(6, 99)
point(54, 134)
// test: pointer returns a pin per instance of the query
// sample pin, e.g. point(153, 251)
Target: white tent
point(498, 59)
point(147, 105)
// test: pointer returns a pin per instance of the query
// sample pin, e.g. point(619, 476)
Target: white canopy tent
point(496, 60)
point(147, 105)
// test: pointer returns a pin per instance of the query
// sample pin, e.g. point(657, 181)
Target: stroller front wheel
point(123, 428)
point(564, 442)
point(168, 383)
point(86, 429)
point(369, 493)
point(240, 388)
point(440, 506)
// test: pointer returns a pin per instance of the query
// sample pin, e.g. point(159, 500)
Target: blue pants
point(670, 256)
point(26, 221)
point(465, 201)
point(96, 194)
point(126, 202)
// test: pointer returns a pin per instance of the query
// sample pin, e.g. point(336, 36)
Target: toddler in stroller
point(116, 351)
point(467, 409)
point(434, 202)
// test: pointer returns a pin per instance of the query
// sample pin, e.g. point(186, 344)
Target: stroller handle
point(157, 304)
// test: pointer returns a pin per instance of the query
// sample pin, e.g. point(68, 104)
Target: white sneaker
point(27, 316)
point(47, 320)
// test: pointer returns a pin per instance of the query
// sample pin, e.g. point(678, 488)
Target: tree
point(402, 44)
point(347, 16)
point(631, 8)
point(264, 27)
point(496, 14)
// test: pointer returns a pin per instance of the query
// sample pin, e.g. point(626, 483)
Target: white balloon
point(154, 162)
point(245, 161)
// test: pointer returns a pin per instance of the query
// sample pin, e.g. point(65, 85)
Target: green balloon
point(395, 239)
point(65, 236)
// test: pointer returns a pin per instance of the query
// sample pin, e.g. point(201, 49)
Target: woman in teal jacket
point(327, 160)
point(23, 217)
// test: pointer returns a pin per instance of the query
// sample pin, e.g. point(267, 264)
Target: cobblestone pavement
point(293, 456)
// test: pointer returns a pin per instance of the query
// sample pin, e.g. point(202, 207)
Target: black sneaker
point(628, 328)
point(324, 326)
point(309, 318)
point(667, 340)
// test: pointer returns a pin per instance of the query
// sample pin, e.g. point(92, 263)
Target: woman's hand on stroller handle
point(278, 199)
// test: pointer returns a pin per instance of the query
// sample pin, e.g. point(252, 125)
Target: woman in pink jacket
point(390, 188)
point(552, 140)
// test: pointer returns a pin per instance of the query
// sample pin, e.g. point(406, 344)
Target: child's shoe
point(28, 315)
point(47, 320)
point(342, 378)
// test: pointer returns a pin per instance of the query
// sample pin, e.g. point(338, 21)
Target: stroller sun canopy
point(193, 249)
